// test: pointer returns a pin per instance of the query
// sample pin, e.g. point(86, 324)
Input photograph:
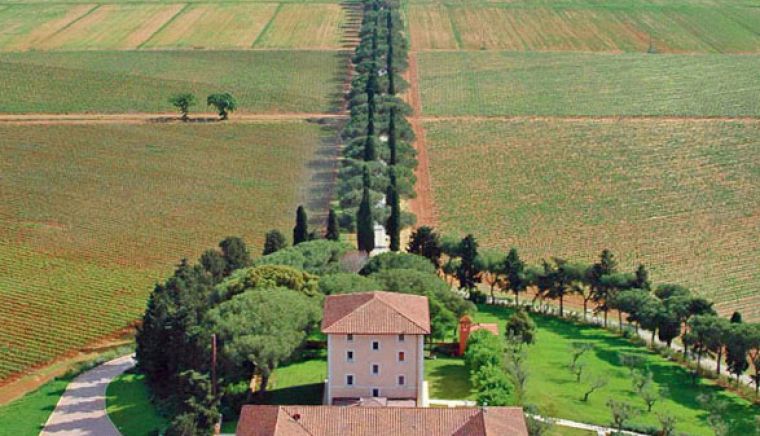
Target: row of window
point(400, 356)
point(401, 380)
point(375, 344)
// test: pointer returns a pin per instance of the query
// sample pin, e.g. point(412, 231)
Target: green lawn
point(130, 409)
point(131, 81)
point(552, 387)
point(129, 406)
point(448, 379)
point(28, 414)
point(299, 382)
point(509, 83)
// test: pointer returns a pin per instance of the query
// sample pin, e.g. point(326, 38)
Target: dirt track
point(422, 206)
point(156, 118)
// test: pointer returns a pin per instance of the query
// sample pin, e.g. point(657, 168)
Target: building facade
point(375, 346)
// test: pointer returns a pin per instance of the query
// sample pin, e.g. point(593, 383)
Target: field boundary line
point(160, 118)
point(268, 26)
point(600, 118)
point(71, 23)
point(163, 26)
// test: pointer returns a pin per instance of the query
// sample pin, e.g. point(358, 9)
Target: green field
point(552, 387)
point(92, 216)
point(172, 25)
point(261, 81)
point(566, 84)
point(580, 25)
point(679, 196)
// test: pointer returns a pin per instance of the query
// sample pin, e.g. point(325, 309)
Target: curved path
point(81, 411)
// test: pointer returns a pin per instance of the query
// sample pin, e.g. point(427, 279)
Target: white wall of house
point(388, 360)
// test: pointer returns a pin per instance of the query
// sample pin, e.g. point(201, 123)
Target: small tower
point(465, 324)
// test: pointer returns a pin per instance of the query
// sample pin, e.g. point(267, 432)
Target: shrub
point(344, 283)
point(391, 260)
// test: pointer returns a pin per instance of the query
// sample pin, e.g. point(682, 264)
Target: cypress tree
point(365, 232)
point(392, 137)
point(370, 153)
point(394, 221)
point(301, 230)
point(389, 59)
point(333, 233)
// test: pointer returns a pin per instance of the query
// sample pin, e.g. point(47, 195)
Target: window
point(350, 338)
point(350, 355)
point(401, 356)
point(350, 380)
point(375, 392)
point(375, 369)
point(375, 345)
point(401, 338)
point(401, 380)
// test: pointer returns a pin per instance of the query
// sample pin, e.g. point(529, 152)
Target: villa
point(375, 379)
point(375, 348)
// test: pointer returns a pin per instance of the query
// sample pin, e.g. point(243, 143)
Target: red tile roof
point(376, 313)
point(371, 421)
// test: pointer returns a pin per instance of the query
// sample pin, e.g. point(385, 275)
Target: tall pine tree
point(332, 233)
point(365, 232)
point(393, 227)
point(301, 230)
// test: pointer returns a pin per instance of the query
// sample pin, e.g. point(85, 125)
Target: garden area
point(553, 388)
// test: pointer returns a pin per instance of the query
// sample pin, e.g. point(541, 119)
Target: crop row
point(93, 215)
point(678, 196)
point(131, 26)
point(638, 27)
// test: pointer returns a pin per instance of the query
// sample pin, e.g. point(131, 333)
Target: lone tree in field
point(223, 102)
point(274, 241)
point(595, 383)
point(301, 230)
point(333, 232)
point(621, 412)
point(183, 102)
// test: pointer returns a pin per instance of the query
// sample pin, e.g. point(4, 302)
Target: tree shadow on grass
point(452, 382)
point(309, 395)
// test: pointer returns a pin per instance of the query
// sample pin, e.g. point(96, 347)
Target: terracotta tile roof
point(376, 313)
point(368, 421)
point(493, 328)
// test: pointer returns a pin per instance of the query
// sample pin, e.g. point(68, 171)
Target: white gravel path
point(81, 411)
